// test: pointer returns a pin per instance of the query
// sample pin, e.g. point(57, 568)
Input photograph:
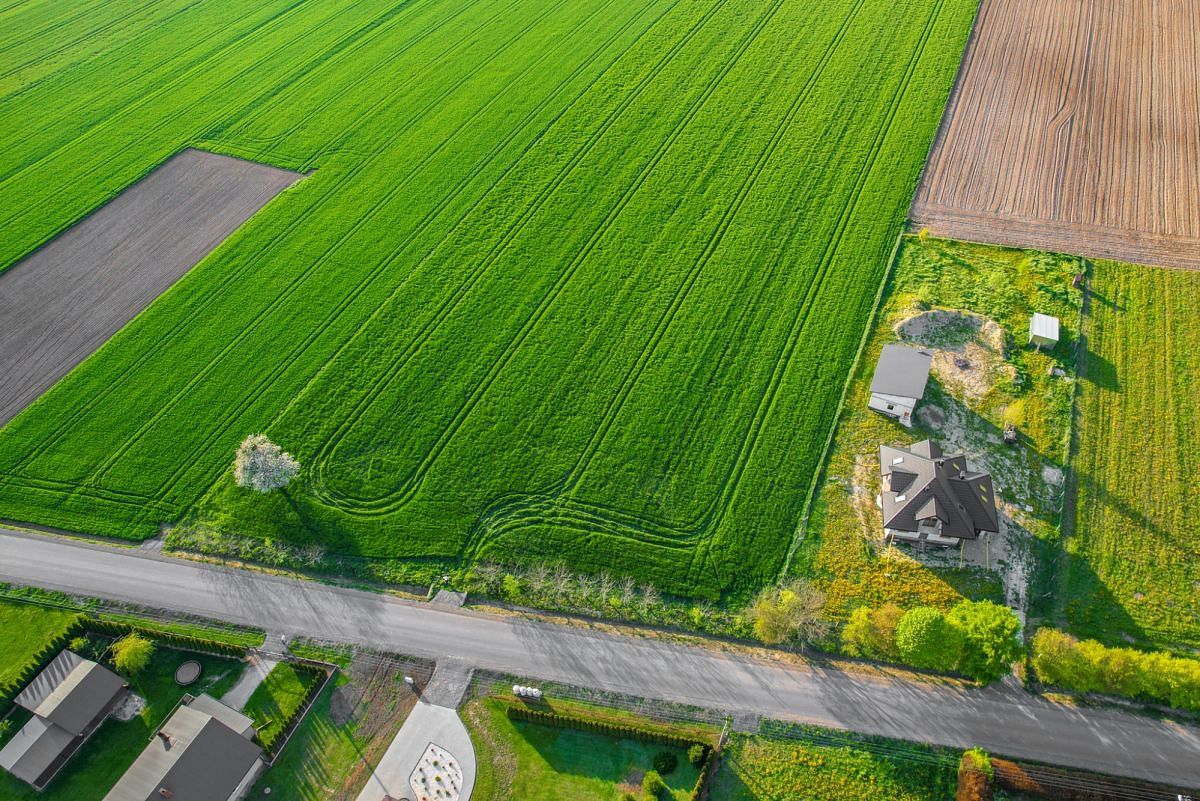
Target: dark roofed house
point(69, 700)
point(204, 752)
point(899, 381)
point(930, 497)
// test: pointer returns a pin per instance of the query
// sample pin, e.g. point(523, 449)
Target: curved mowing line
point(493, 523)
point(202, 304)
point(115, 455)
point(450, 302)
point(429, 218)
point(389, 501)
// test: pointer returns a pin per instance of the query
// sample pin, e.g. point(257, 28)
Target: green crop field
point(580, 280)
point(1130, 568)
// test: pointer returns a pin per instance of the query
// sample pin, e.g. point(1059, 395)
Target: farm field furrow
point(573, 279)
point(1074, 127)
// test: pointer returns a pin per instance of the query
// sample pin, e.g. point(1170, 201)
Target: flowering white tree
point(262, 465)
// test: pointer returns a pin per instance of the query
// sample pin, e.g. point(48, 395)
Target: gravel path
point(65, 300)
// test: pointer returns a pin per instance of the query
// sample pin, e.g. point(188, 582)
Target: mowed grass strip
point(1130, 573)
point(576, 279)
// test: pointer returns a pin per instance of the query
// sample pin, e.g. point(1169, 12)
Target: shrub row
point(628, 731)
point(38, 661)
point(168, 639)
point(1088, 666)
point(979, 639)
point(313, 683)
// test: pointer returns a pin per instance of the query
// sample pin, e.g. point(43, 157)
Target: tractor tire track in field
point(300, 280)
point(247, 265)
point(147, 99)
point(382, 267)
point(389, 501)
point(518, 224)
point(369, 31)
point(508, 516)
point(46, 55)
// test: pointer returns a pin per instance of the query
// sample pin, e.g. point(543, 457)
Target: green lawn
point(842, 548)
point(331, 753)
point(276, 701)
point(106, 756)
point(24, 630)
point(755, 768)
point(581, 278)
point(1132, 568)
point(532, 762)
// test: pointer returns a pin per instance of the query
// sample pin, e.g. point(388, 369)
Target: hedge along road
point(1001, 720)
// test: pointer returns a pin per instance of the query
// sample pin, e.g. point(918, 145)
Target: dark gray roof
point(71, 692)
point(33, 750)
point(205, 759)
point(902, 370)
point(920, 483)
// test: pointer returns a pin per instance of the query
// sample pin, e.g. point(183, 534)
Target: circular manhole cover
point(188, 672)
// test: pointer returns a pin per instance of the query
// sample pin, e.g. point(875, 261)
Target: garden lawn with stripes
point(580, 280)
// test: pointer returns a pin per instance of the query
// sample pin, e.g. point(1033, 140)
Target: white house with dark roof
point(927, 496)
point(69, 700)
point(204, 752)
point(899, 381)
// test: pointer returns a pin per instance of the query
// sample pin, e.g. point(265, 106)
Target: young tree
point(871, 633)
point(132, 653)
point(792, 612)
point(262, 465)
point(1058, 660)
point(925, 639)
point(991, 641)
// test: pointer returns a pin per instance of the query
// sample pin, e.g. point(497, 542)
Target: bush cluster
point(977, 638)
point(628, 731)
point(1088, 666)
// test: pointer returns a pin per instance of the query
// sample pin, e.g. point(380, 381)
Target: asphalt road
point(999, 719)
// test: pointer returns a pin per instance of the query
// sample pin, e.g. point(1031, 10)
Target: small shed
point(899, 381)
point(1043, 330)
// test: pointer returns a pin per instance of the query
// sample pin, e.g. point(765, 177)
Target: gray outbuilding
point(69, 699)
point(1043, 330)
point(899, 381)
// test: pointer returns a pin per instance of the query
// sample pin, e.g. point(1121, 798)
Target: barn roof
point(902, 370)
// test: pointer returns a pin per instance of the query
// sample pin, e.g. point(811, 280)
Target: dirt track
point(65, 300)
point(1074, 126)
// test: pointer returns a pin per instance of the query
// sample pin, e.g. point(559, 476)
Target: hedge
point(315, 683)
point(625, 731)
point(183, 642)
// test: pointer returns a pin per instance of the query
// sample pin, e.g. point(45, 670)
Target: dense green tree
point(991, 638)
point(925, 639)
point(871, 632)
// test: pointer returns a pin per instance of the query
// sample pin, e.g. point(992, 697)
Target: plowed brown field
point(1074, 126)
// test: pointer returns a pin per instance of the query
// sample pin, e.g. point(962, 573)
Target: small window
point(891, 408)
point(898, 460)
point(900, 498)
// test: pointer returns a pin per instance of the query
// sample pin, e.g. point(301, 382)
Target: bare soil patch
point(66, 299)
point(1074, 127)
